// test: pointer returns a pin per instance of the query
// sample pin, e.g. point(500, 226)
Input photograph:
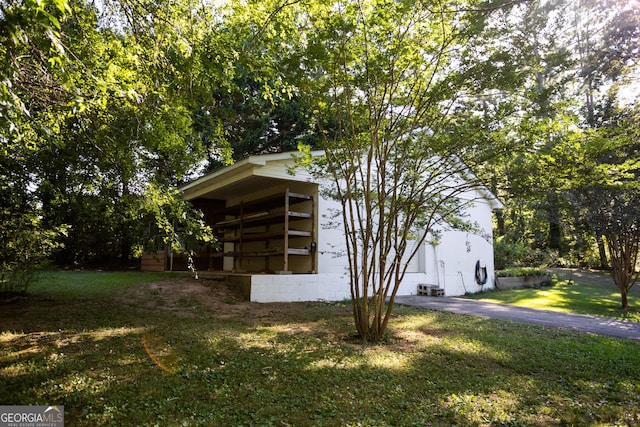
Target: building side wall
point(449, 263)
point(313, 287)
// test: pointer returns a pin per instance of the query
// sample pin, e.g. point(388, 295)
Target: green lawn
point(121, 349)
point(580, 292)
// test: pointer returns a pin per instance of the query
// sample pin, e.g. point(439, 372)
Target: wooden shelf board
point(269, 202)
point(263, 252)
point(251, 237)
point(263, 219)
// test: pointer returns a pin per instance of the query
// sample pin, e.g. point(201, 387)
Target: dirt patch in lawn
point(220, 300)
point(188, 297)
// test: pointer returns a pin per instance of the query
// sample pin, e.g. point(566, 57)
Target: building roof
point(262, 170)
point(245, 176)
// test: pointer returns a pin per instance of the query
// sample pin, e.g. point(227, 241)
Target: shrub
point(513, 254)
point(509, 254)
point(26, 248)
point(521, 272)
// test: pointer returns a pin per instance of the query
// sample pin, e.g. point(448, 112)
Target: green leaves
point(395, 90)
point(92, 117)
point(605, 190)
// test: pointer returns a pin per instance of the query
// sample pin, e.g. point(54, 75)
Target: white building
point(281, 243)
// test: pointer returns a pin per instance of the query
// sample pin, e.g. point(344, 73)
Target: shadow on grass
point(113, 360)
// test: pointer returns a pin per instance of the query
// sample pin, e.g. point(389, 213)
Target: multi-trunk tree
point(604, 187)
point(396, 87)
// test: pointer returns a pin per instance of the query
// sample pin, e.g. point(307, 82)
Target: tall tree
point(248, 97)
point(134, 132)
point(393, 77)
point(35, 96)
point(564, 94)
point(604, 186)
point(99, 118)
point(605, 40)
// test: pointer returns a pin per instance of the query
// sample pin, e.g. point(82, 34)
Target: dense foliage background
point(107, 107)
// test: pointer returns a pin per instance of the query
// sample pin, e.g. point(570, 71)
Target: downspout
point(435, 262)
point(463, 285)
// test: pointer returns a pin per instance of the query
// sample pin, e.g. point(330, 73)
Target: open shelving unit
point(279, 225)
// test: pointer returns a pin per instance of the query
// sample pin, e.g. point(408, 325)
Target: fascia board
point(216, 175)
point(218, 182)
point(253, 165)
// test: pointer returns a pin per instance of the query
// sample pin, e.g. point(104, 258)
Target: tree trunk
point(500, 231)
point(125, 248)
point(604, 262)
point(621, 270)
point(554, 235)
point(554, 223)
point(624, 300)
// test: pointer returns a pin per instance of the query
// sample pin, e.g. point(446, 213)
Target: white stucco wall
point(313, 287)
point(451, 264)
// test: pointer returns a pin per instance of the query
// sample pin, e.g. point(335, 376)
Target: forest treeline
point(107, 107)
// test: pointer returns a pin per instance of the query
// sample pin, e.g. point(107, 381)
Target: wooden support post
point(313, 234)
point(238, 260)
point(286, 230)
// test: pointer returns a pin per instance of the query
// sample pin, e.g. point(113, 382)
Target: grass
point(119, 350)
point(90, 284)
point(583, 293)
